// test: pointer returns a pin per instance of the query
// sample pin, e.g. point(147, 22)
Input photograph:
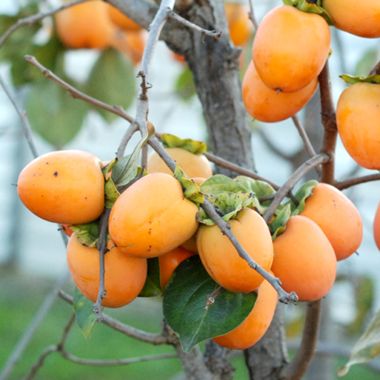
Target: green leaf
point(366, 348)
point(53, 114)
point(111, 193)
point(310, 7)
point(152, 286)
point(191, 190)
point(112, 80)
point(352, 79)
point(184, 85)
point(220, 183)
point(192, 146)
point(260, 188)
point(197, 308)
point(366, 62)
point(278, 224)
point(84, 313)
point(87, 234)
point(302, 194)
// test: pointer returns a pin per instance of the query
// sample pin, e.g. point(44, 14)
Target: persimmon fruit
point(239, 24)
point(361, 18)
point(65, 187)
point(222, 261)
point(169, 262)
point(290, 48)
point(338, 218)
point(253, 328)
point(152, 217)
point(376, 227)
point(85, 25)
point(121, 20)
point(194, 165)
point(124, 276)
point(131, 44)
point(304, 259)
point(268, 105)
point(358, 113)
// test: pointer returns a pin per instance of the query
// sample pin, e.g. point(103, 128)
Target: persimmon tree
point(251, 233)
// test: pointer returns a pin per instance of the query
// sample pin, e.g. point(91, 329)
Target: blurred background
point(32, 255)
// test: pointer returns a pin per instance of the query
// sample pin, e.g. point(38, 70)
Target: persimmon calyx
point(87, 234)
point(352, 79)
point(310, 6)
point(191, 190)
point(192, 146)
point(302, 194)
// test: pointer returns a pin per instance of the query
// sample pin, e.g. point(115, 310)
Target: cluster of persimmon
point(98, 25)
point(152, 218)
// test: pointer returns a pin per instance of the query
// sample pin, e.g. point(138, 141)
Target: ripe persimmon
point(290, 48)
point(222, 261)
point(121, 20)
point(169, 262)
point(85, 25)
point(152, 217)
point(65, 187)
point(304, 259)
point(194, 165)
point(357, 17)
point(131, 44)
point(253, 328)
point(357, 115)
point(338, 218)
point(124, 276)
point(239, 24)
point(376, 227)
point(268, 105)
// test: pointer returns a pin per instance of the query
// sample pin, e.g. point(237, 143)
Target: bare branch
point(376, 69)
point(75, 93)
point(225, 228)
point(252, 16)
point(40, 361)
point(296, 369)
point(291, 182)
point(26, 128)
point(211, 33)
point(357, 181)
point(130, 331)
point(305, 138)
point(114, 362)
point(30, 20)
point(125, 140)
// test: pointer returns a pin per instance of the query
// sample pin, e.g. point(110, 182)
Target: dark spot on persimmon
point(55, 174)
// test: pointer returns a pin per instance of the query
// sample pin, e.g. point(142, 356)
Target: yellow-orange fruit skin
point(252, 329)
point(358, 115)
point(121, 20)
point(239, 24)
point(194, 165)
point(268, 105)
point(222, 261)
point(304, 259)
point(338, 218)
point(376, 227)
point(152, 217)
point(131, 44)
point(124, 275)
point(283, 54)
point(65, 187)
point(85, 25)
point(169, 262)
point(357, 17)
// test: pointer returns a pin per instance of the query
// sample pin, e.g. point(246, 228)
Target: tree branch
point(291, 182)
point(342, 185)
point(305, 138)
point(252, 16)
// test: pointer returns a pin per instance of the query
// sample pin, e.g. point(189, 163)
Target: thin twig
point(75, 93)
point(305, 138)
point(125, 140)
point(155, 339)
point(252, 16)
point(211, 33)
point(292, 181)
point(237, 169)
point(114, 362)
point(31, 329)
point(26, 128)
point(30, 20)
point(40, 361)
point(102, 248)
point(225, 228)
point(357, 181)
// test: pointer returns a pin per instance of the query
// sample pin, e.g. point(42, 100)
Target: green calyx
point(87, 234)
point(302, 194)
point(310, 6)
point(191, 190)
point(352, 79)
point(192, 146)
